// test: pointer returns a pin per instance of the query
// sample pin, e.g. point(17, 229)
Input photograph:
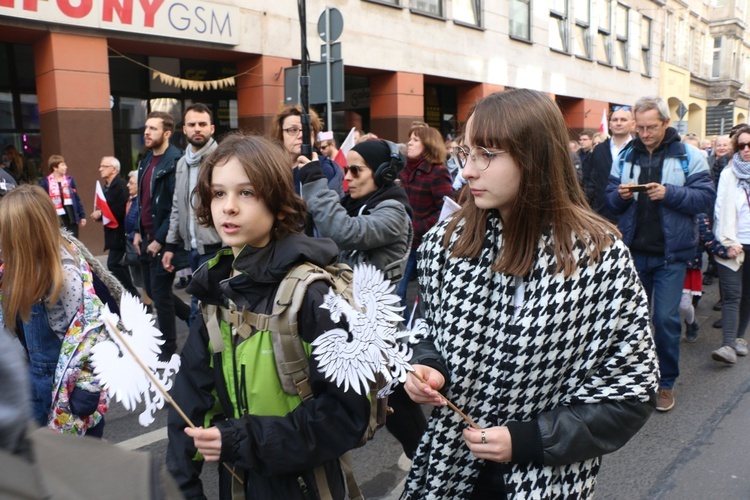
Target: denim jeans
point(663, 284)
point(409, 272)
point(43, 346)
point(158, 283)
point(735, 300)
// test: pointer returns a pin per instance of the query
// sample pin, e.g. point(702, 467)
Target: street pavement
point(699, 450)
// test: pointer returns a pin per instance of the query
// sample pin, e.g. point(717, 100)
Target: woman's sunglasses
point(354, 169)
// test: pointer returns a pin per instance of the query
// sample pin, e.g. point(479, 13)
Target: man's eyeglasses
point(324, 146)
point(354, 169)
point(618, 108)
point(292, 131)
point(479, 156)
point(650, 129)
point(742, 145)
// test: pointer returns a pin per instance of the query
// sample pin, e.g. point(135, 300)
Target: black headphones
point(387, 172)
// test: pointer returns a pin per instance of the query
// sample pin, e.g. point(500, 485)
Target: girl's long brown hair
point(30, 240)
point(529, 126)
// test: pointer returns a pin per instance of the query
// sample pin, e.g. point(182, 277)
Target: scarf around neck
point(362, 206)
point(741, 170)
point(413, 163)
point(59, 193)
point(194, 159)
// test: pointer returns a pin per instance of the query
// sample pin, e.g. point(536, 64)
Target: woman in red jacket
point(426, 180)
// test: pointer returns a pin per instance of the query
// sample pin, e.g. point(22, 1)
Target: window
point(583, 22)
point(7, 118)
point(432, 7)
point(646, 46)
point(467, 11)
point(621, 44)
point(716, 68)
point(604, 36)
point(558, 25)
point(519, 19)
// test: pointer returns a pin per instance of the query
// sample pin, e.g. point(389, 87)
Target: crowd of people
point(541, 230)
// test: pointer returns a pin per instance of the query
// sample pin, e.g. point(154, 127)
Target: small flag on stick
point(108, 218)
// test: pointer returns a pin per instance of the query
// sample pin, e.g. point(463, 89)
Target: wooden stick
point(159, 386)
point(451, 405)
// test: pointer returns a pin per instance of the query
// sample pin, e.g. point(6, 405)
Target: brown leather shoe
point(665, 401)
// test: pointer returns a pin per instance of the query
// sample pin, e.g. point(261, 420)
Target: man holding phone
point(657, 185)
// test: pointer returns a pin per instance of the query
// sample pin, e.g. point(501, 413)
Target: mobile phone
point(637, 188)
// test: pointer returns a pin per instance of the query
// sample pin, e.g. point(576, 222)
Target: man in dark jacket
point(156, 179)
point(657, 186)
point(116, 196)
point(596, 170)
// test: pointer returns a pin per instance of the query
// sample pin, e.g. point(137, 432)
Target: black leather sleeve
point(425, 353)
point(579, 432)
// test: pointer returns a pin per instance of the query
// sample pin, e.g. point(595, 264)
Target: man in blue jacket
point(156, 178)
point(656, 186)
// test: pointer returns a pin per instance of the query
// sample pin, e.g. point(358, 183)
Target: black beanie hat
point(375, 152)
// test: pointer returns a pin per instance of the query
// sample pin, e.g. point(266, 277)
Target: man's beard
point(157, 143)
point(198, 143)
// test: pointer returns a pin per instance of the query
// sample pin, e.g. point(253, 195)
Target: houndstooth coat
point(576, 340)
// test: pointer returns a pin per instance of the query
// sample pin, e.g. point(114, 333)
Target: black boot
point(718, 324)
point(691, 331)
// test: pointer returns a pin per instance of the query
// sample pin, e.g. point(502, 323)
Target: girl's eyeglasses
point(479, 156)
point(354, 169)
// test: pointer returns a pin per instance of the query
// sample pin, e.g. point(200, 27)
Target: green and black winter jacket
point(273, 439)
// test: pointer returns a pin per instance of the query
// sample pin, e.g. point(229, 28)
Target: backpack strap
point(622, 157)
point(293, 363)
point(685, 159)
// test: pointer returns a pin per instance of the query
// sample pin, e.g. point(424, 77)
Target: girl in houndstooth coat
point(538, 327)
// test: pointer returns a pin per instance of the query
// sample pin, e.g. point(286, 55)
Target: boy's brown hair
point(267, 167)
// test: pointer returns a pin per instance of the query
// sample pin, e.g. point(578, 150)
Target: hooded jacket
point(379, 234)
point(276, 453)
point(686, 196)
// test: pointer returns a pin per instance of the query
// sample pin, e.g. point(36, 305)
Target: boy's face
point(240, 217)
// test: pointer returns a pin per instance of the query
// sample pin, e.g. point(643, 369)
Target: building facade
point(78, 77)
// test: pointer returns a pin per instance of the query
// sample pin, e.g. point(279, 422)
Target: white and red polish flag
point(108, 218)
point(346, 146)
point(604, 126)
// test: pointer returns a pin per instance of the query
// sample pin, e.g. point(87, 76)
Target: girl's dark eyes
point(247, 192)
point(217, 193)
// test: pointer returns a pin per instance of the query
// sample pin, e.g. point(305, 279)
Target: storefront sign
point(204, 21)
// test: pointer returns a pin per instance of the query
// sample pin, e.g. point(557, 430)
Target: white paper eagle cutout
point(115, 363)
point(353, 358)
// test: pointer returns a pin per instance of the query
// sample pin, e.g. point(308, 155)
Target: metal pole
point(329, 111)
point(304, 82)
